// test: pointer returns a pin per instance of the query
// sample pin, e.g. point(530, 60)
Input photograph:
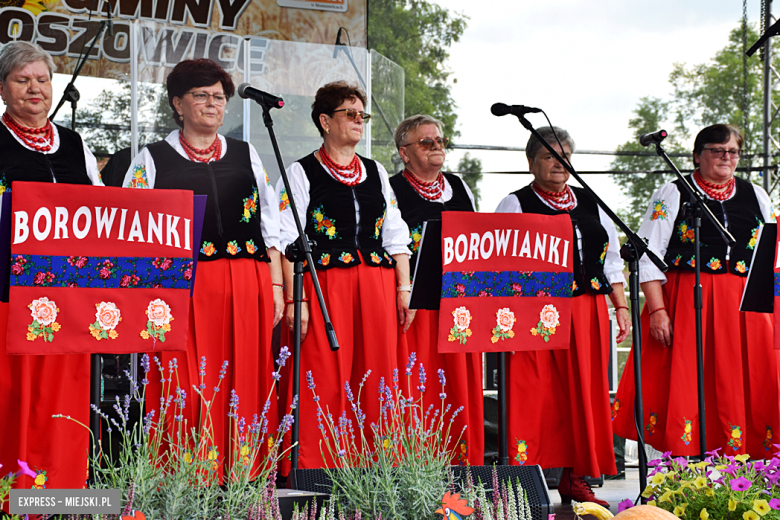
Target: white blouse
point(92, 169)
point(269, 208)
point(613, 264)
point(395, 232)
point(658, 228)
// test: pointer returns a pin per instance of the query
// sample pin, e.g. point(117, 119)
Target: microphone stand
point(693, 211)
point(631, 251)
point(297, 252)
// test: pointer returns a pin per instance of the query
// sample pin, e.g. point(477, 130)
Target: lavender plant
point(721, 486)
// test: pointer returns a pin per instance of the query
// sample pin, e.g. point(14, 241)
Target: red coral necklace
point(428, 190)
point(39, 139)
point(193, 153)
point(562, 201)
point(715, 191)
point(349, 174)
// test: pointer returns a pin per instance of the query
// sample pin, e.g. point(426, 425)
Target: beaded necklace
point(349, 174)
point(562, 201)
point(31, 136)
point(428, 190)
point(192, 152)
point(718, 192)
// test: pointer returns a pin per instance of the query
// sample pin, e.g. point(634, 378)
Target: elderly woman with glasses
point(423, 192)
point(740, 364)
point(562, 396)
point(346, 205)
point(238, 297)
point(33, 388)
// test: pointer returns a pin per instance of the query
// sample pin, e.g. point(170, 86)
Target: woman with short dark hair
point(740, 364)
point(33, 388)
point(238, 297)
point(345, 203)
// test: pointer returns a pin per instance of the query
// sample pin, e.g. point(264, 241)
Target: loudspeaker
point(530, 477)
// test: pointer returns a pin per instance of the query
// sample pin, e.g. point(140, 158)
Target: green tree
point(724, 90)
point(416, 34)
point(470, 169)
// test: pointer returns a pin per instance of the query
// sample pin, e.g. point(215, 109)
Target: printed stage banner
point(99, 270)
point(506, 283)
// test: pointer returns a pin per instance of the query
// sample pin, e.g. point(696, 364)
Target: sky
point(586, 63)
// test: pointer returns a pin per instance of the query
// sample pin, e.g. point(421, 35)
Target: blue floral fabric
point(101, 272)
point(506, 283)
point(777, 284)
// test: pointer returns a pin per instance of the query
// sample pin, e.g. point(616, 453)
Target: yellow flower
point(55, 326)
point(704, 515)
point(494, 339)
point(666, 497)
point(331, 231)
point(40, 479)
point(31, 336)
point(720, 467)
point(318, 217)
point(534, 332)
point(700, 482)
point(732, 504)
point(742, 458)
point(761, 506)
point(658, 479)
point(144, 334)
point(648, 492)
point(187, 457)
point(652, 503)
point(750, 515)
point(679, 510)
point(246, 214)
point(166, 327)
point(244, 450)
point(113, 334)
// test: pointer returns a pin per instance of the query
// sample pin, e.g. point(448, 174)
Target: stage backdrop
point(98, 269)
point(506, 283)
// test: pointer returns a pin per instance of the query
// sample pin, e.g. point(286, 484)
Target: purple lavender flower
point(284, 355)
point(421, 388)
point(202, 366)
point(276, 375)
point(442, 396)
point(310, 380)
point(740, 484)
point(223, 371)
point(347, 389)
point(395, 378)
point(145, 363)
point(148, 422)
point(410, 364)
point(442, 378)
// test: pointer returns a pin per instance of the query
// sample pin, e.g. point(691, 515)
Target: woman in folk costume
point(560, 398)
point(423, 192)
point(740, 364)
point(238, 297)
point(33, 388)
point(362, 260)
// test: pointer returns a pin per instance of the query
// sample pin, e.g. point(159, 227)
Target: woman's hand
point(661, 328)
point(405, 314)
point(624, 324)
point(278, 304)
point(304, 319)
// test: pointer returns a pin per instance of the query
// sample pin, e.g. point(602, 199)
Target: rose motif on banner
point(549, 319)
point(159, 314)
point(107, 317)
point(44, 315)
point(505, 320)
point(460, 332)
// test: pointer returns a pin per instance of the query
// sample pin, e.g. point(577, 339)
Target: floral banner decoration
point(460, 332)
point(549, 319)
point(44, 325)
point(107, 317)
point(159, 314)
point(505, 320)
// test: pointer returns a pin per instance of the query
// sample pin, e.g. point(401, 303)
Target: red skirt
point(32, 389)
point(361, 303)
point(558, 400)
point(463, 373)
point(231, 318)
point(741, 385)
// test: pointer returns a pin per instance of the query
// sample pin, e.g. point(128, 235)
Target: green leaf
point(51, 337)
point(546, 339)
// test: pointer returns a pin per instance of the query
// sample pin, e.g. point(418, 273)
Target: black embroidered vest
point(588, 272)
point(331, 220)
point(67, 165)
point(741, 215)
point(415, 210)
point(231, 224)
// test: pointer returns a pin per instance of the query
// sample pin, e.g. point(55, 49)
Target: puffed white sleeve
point(395, 232)
point(767, 210)
point(299, 184)
point(658, 227)
point(268, 202)
point(141, 173)
point(509, 204)
point(471, 195)
point(613, 263)
point(92, 168)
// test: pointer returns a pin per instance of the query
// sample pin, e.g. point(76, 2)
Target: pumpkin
point(641, 512)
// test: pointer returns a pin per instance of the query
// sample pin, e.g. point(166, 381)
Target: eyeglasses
point(718, 153)
point(351, 114)
point(428, 142)
point(202, 97)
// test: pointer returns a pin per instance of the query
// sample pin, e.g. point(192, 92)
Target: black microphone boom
point(109, 8)
point(652, 138)
point(500, 109)
point(263, 98)
point(338, 43)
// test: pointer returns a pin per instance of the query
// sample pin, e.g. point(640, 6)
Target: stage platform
point(613, 491)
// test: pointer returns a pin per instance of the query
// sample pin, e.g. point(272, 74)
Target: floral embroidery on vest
point(376, 258)
point(741, 267)
point(378, 225)
point(324, 259)
point(346, 257)
point(4, 185)
point(323, 224)
point(250, 206)
point(677, 260)
point(714, 264)
point(684, 233)
point(208, 248)
point(251, 247)
point(692, 261)
point(604, 253)
point(595, 284)
point(233, 248)
point(414, 239)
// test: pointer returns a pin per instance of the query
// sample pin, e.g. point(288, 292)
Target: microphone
point(263, 98)
point(500, 109)
point(110, 23)
point(652, 138)
point(338, 43)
